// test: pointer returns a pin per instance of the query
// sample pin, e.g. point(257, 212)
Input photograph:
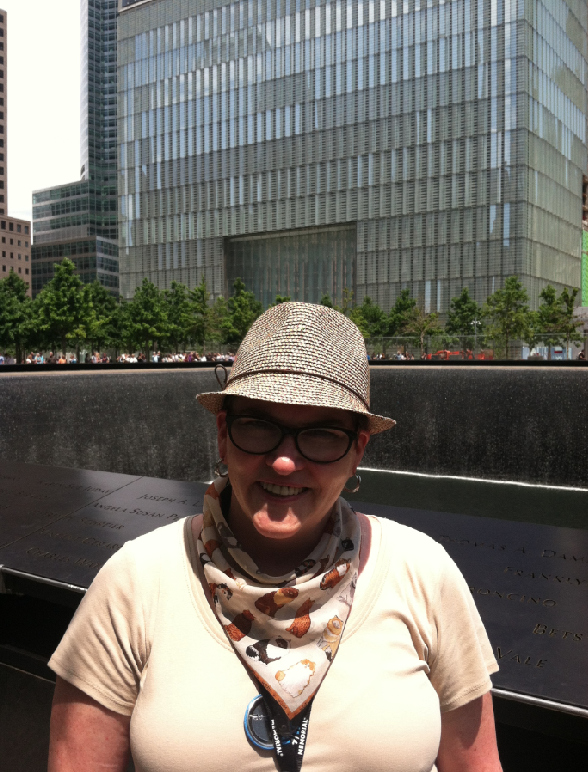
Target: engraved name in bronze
point(36, 552)
point(573, 581)
point(559, 633)
point(515, 597)
point(137, 511)
point(521, 659)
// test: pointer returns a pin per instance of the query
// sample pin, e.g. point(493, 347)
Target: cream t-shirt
point(145, 643)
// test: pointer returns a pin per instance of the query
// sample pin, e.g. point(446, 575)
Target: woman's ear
point(222, 435)
point(363, 437)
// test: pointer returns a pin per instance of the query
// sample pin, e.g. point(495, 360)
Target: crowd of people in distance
point(96, 358)
point(399, 355)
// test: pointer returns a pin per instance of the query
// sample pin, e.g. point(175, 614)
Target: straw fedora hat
point(302, 354)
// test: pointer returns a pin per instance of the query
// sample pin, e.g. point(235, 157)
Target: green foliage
point(464, 319)
point(179, 312)
point(99, 315)
point(15, 314)
point(420, 325)
point(508, 315)
point(401, 312)
point(242, 310)
point(202, 325)
point(280, 299)
point(146, 317)
point(371, 320)
point(61, 310)
point(326, 301)
point(554, 324)
point(219, 314)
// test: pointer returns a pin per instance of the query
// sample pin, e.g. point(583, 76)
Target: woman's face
point(314, 487)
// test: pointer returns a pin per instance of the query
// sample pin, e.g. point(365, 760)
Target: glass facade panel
point(451, 135)
point(68, 215)
point(303, 265)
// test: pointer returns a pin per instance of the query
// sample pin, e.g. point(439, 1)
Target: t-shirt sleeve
point(104, 650)
point(463, 659)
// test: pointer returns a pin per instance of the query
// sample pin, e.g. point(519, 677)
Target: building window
point(4, 268)
point(3, 225)
point(19, 243)
point(20, 257)
point(11, 240)
point(27, 230)
point(10, 226)
point(19, 269)
point(26, 258)
point(4, 253)
point(12, 255)
point(19, 230)
point(26, 243)
point(27, 271)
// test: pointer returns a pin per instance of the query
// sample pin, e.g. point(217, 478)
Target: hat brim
point(295, 389)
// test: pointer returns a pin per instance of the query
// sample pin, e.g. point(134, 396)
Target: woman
point(359, 635)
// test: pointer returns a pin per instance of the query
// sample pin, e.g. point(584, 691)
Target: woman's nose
point(285, 459)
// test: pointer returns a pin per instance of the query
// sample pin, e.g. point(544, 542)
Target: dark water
point(525, 503)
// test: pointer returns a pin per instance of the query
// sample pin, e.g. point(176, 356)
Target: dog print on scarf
point(301, 624)
point(296, 678)
point(241, 626)
point(268, 650)
point(334, 576)
point(272, 602)
point(331, 637)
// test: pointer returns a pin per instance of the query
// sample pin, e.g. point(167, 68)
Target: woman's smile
point(283, 492)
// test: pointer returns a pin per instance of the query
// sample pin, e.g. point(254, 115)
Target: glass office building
point(313, 145)
point(79, 220)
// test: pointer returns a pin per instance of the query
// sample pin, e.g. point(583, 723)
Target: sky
point(43, 109)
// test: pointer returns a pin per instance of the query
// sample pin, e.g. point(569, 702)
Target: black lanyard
point(289, 736)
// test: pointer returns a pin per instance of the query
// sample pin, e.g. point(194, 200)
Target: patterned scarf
point(286, 629)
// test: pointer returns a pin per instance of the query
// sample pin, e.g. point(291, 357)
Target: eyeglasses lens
point(255, 436)
point(320, 445)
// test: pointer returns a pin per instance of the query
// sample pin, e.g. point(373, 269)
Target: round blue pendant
point(257, 725)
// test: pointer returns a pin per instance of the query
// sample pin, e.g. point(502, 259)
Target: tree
point(421, 325)
point(243, 310)
point(99, 314)
point(570, 325)
point(16, 311)
point(219, 314)
point(280, 299)
point(179, 312)
point(371, 320)
point(554, 323)
point(508, 314)
point(60, 305)
point(464, 319)
point(401, 312)
point(346, 302)
point(203, 317)
point(326, 301)
point(146, 317)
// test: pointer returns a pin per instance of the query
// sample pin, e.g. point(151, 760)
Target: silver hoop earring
point(217, 469)
point(354, 490)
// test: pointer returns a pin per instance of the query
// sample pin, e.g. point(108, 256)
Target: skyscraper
point(15, 238)
point(312, 145)
point(79, 220)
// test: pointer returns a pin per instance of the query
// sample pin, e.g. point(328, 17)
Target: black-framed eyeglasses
point(319, 444)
